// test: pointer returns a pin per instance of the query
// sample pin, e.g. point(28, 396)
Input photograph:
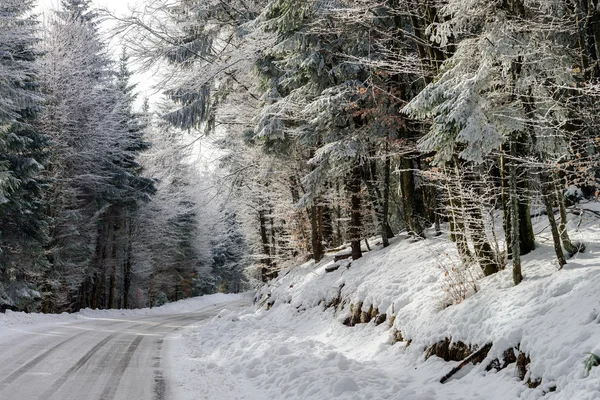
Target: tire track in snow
point(29, 365)
point(160, 384)
point(113, 383)
point(80, 363)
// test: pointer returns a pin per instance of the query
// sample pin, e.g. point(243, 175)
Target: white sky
point(120, 7)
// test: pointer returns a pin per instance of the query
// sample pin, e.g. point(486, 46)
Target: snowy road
point(91, 359)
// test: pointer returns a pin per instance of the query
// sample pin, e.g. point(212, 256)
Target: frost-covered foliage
point(23, 223)
point(94, 182)
point(172, 233)
point(507, 75)
point(229, 254)
point(339, 120)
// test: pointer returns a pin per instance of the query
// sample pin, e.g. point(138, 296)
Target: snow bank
point(300, 350)
point(20, 319)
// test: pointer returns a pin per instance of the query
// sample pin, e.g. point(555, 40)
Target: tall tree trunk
point(273, 237)
point(113, 273)
point(266, 260)
point(562, 227)
point(506, 203)
point(338, 225)
point(526, 235)
point(300, 214)
point(355, 211)
point(316, 239)
point(327, 225)
point(547, 197)
point(483, 250)
point(457, 228)
point(369, 175)
point(127, 268)
point(409, 198)
point(380, 197)
point(100, 262)
point(515, 220)
point(385, 227)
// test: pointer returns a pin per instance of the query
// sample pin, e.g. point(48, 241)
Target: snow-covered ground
point(14, 321)
point(298, 349)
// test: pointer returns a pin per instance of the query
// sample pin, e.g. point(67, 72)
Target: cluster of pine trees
point(342, 119)
point(90, 214)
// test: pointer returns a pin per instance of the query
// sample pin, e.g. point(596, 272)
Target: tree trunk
point(273, 237)
point(483, 250)
point(317, 242)
point(547, 195)
point(97, 300)
point(562, 228)
point(409, 198)
point(327, 225)
point(338, 225)
point(355, 211)
point(457, 226)
point(526, 235)
point(113, 273)
point(514, 212)
point(265, 271)
point(506, 204)
point(385, 227)
point(127, 270)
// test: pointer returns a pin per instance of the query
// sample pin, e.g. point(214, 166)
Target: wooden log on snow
point(481, 352)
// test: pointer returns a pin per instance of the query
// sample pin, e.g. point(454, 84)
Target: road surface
point(92, 359)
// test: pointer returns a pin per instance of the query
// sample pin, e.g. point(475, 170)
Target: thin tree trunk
point(113, 273)
point(273, 236)
point(369, 175)
point(385, 227)
point(506, 204)
point(547, 198)
point(514, 212)
point(355, 211)
point(457, 227)
point(127, 268)
point(562, 228)
point(526, 235)
point(265, 245)
point(327, 225)
point(409, 198)
point(317, 243)
point(338, 225)
point(483, 250)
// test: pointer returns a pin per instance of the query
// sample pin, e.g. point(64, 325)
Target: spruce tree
point(23, 224)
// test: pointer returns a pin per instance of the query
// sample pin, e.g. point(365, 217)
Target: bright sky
point(120, 7)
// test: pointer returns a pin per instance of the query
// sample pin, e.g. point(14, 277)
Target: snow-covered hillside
point(294, 344)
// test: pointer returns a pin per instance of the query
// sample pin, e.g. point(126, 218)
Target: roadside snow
point(298, 350)
point(15, 320)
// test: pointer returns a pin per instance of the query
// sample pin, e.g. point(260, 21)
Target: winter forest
point(335, 122)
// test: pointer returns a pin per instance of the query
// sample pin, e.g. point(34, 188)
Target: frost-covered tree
point(172, 233)
point(502, 94)
point(229, 253)
point(23, 225)
point(96, 181)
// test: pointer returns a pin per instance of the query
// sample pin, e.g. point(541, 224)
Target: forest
point(335, 121)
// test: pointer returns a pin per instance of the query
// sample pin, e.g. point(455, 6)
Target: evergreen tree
point(229, 254)
point(23, 225)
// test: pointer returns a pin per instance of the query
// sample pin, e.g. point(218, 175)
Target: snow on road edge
point(18, 320)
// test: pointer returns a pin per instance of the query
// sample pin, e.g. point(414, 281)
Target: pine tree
point(24, 227)
point(229, 254)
